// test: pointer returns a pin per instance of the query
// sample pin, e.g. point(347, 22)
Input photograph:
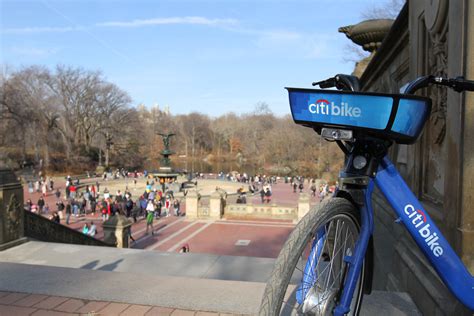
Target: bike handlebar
point(351, 83)
point(458, 84)
point(341, 82)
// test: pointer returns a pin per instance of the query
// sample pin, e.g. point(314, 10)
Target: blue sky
point(209, 56)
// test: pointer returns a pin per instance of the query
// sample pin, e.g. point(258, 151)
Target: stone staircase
point(190, 281)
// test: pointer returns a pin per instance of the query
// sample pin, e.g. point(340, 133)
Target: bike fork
point(354, 262)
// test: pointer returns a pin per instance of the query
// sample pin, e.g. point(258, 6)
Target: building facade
point(429, 37)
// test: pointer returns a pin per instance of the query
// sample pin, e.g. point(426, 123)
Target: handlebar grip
point(328, 83)
point(325, 85)
point(462, 84)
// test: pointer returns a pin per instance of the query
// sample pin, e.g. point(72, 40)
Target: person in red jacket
point(72, 191)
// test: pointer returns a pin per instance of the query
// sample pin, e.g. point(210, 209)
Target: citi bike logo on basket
point(323, 107)
point(418, 219)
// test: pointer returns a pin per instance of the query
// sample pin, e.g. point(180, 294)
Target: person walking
point(55, 217)
point(262, 195)
point(85, 229)
point(92, 191)
point(40, 204)
point(167, 206)
point(67, 191)
point(75, 208)
point(58, 194)
point(60, 208)
point(44, 189)
point(68, 212)
point(268, 194)
point(176, 207)
point(150, 208)
point(30, 187)
point(129, 207)
point(143, 203)
point(93, 205)
point(92, 229)
point(72, 191)
point(105, 208)
point(313, 189)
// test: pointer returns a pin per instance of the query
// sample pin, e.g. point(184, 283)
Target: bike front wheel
point(310, 272)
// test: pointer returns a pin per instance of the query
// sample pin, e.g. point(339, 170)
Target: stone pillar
point(303, 206)
point(117, 231)
point(466, 216)
point(215, 206)
point(11, 210)
point(249, 206)
point(192, 205)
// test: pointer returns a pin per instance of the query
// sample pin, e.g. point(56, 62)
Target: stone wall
point(39, 228)
point(428, 37)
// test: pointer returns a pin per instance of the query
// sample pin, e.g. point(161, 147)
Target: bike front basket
point(390, 116)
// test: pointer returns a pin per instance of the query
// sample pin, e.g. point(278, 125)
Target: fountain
point(165, 173)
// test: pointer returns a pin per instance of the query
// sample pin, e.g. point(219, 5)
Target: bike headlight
point(359, 162)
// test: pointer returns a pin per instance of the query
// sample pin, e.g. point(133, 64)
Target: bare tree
point(388, 9)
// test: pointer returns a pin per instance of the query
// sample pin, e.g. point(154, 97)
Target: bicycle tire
point(286, 263)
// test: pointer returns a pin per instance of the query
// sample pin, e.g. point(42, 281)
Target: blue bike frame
point(425, 233)
point(420, 226)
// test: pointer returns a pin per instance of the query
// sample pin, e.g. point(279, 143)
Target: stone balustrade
point(219, 208)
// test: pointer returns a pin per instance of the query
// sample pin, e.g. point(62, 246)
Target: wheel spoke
point(319, 273)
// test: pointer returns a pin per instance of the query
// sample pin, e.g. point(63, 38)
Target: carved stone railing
point(203, 212)
point(39, 228)
point(218, 208)
point(263, 210)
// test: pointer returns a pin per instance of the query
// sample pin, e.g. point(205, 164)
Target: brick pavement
point(18, 304)
point(266, 236)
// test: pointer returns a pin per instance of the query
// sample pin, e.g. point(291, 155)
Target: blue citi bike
point(325, 266)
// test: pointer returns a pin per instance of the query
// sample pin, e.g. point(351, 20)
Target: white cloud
point(193, 20)
point(41, 29)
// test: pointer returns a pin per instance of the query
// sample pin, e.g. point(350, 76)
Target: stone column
point(249, 206)
point(192, 205)
point(117, 231)
point(466, 216)
point(303, 206)
point(215, 206)
point(11, 210)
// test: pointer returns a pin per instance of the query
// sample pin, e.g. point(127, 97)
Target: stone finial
point(216, 195)
point(304, 205)
point(369, 34)
point(216, 205)
point(192, 205)
point(117, 231)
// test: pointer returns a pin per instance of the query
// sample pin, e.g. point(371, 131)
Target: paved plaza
point(256, 238)
point(225, 272)
point(19, 304)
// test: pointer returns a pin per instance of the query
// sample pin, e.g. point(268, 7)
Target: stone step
point(190, 281)
point(177, 292)
point(137, 261)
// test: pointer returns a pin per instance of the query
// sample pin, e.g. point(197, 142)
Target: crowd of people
point(41, 185)
point(81, 200)
point(87, 199)
point(262, 185)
